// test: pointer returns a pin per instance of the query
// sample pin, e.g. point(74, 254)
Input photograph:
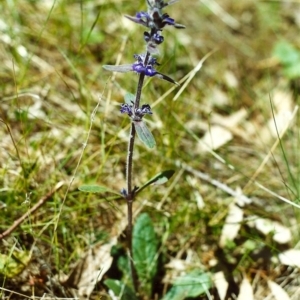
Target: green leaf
point(144, 249)
point(292, 71)
point(13, 264)
point(124, 266)
point(189, 285)
point(289, 56)
point(96, 189)
point(158, 179)
point(129, 98)
point(286, 53)
point(144, 134)
point(122, 291)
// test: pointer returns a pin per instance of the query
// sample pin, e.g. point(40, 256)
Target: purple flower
point(124, 193)
point(138, 67)
point(155, 38)
point(136, 114)
point(154, 19)
point(141, 57)
point(144, 110)
point(127, 109)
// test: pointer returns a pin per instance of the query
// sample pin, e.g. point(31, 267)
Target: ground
point(230, 132)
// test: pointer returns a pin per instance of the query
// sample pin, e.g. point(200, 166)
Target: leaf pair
point(138, 68)
point(158, 179)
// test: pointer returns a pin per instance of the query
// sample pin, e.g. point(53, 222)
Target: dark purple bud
point(138, 67)
point(153, 36)
point(153, 61)
point(127, 109)
point(154, 19)
point(139, 57)
point(146, 109)
point(167, 20)
point(142, 15)
point(157, 38)
point(147, 36)
point(143, 19)
point(135, 114)
point(164, 20)
point(124, 193)
point(150, 71)
point(153, 39)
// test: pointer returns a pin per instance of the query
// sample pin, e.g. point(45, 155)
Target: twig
point(44, 297)
point(31, 211)
point(225, 188)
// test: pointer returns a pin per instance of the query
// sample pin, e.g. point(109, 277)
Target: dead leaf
point(232, 224)
point(218, 97)
point(281, 234)
point(91, 268)
point(290, 257)
point(177, 264)
point(221, 284)
point(246, 290)
point(220, 132)
point(277, 291)
point(230, 79)
point(230, 121)
point(216, 137)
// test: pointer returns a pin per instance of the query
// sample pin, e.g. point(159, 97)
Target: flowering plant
point(145, 65)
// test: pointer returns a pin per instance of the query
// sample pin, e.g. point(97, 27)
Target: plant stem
point(140, 84)
point(130, 194)
point(129, 165)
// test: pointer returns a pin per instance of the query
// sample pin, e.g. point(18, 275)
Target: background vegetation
point(51, 79)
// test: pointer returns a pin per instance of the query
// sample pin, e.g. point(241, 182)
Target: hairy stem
point(129, 166)
point(140, 84)
point(130, 195)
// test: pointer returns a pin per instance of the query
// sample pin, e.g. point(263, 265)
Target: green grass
point(51, 79)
